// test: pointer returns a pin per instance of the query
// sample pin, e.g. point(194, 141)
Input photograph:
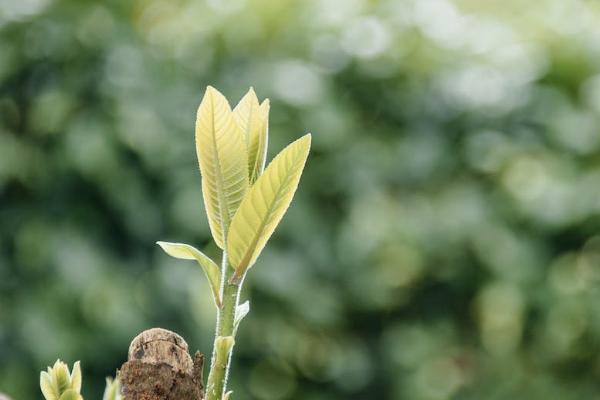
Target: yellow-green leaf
point(49, 389)
point(57, 383)
point(111, 391)
point(187, 252)
point(76, 377)
point(253, 120)
point(61, 376)
point(70, 394)
point(264, 206)
point(221, 150)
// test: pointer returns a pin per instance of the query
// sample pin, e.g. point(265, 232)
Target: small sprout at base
point(227, 395)
point(112, 390)
point(240, 312)
point(57, 383)
point(70, 395)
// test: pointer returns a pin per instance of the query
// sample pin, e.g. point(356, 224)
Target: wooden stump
point(159, 367)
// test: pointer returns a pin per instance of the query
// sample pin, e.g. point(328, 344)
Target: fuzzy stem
point(221, 357)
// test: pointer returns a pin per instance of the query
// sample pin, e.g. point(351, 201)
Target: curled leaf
point(187, 252)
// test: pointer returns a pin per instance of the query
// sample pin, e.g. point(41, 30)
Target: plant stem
point(221, 357)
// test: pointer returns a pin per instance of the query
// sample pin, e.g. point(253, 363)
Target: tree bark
point(159, 367)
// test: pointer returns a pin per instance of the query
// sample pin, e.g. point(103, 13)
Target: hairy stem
point(223, 347)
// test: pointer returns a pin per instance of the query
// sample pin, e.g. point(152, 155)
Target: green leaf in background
point(210, 268)
point(221, 150)
point(264, 205)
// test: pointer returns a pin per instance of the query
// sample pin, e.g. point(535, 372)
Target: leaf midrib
point(248, 254)
point(224, 219)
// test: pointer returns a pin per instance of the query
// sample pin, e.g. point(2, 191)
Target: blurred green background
point(443, 243)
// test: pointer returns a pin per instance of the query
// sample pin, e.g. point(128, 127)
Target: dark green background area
point(443, 243)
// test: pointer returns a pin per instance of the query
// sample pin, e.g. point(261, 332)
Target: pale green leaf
point(49, 390)
point(70, 394)
point(76, 377)
point(253, 120)
point(221, 150)
point(227, 396)
point(111, 392)
point(57, 380)
point(240, 312)
point(264, 205)
point(246, 113)
point(61, 376)
point(187, 252)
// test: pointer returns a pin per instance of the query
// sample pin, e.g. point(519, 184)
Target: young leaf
point(187, 252)
point(246, 113)
point(253, 120)
point(259, 143)
point(111, 391)
point(76, 377)
point(264, 205)
point(49, 389)
point(58, 384)
point(61, 376)
point(240, 312)
point(70, 394)
point(221, 150)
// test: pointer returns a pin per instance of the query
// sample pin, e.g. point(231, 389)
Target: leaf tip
point(212, 93)
point(306, 140)
point(265, 107)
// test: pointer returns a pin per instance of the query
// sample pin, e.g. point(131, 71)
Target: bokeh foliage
point(443, 243)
